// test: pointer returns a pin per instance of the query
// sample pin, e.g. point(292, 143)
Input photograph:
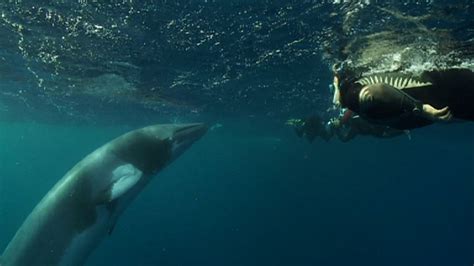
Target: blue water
point(76, 74)
point(253, 194)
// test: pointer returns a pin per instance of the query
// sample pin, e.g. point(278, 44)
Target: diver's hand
point(432, 113)
point(335, 122)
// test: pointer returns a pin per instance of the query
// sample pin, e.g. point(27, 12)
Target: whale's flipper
point(124, 178)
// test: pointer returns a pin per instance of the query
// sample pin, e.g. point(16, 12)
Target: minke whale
point(83, 207)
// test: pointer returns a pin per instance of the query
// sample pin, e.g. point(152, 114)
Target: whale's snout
point(183, 136)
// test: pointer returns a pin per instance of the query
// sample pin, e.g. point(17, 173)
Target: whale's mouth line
point(189, 134)
point(191, 129)
point(185, 136)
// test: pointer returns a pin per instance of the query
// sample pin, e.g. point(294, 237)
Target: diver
point(403, 101)
point(312, 127)
point(345, 127)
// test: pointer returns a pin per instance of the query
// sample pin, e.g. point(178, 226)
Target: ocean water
point(247, 195)
point(76, 74)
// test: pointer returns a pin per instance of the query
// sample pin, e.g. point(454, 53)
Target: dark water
point(75, 74)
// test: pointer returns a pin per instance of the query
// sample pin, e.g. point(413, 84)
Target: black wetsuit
point(401, 107)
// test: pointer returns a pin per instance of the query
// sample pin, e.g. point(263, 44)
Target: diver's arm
point(327, 131)
point(343, 132)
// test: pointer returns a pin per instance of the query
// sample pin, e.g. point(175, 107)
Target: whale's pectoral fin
point(111, 229)
point(124, 177)
point(113, 219)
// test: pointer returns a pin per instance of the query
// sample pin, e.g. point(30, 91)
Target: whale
point(83, 207)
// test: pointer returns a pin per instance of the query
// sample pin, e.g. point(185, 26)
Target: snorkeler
point(405, 101)
point(312, 127)
point(346, 127)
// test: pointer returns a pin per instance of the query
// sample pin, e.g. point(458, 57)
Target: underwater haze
point(76, 74)
point(246, 196)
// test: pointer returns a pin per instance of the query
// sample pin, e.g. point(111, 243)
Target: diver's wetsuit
point(397, 101)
